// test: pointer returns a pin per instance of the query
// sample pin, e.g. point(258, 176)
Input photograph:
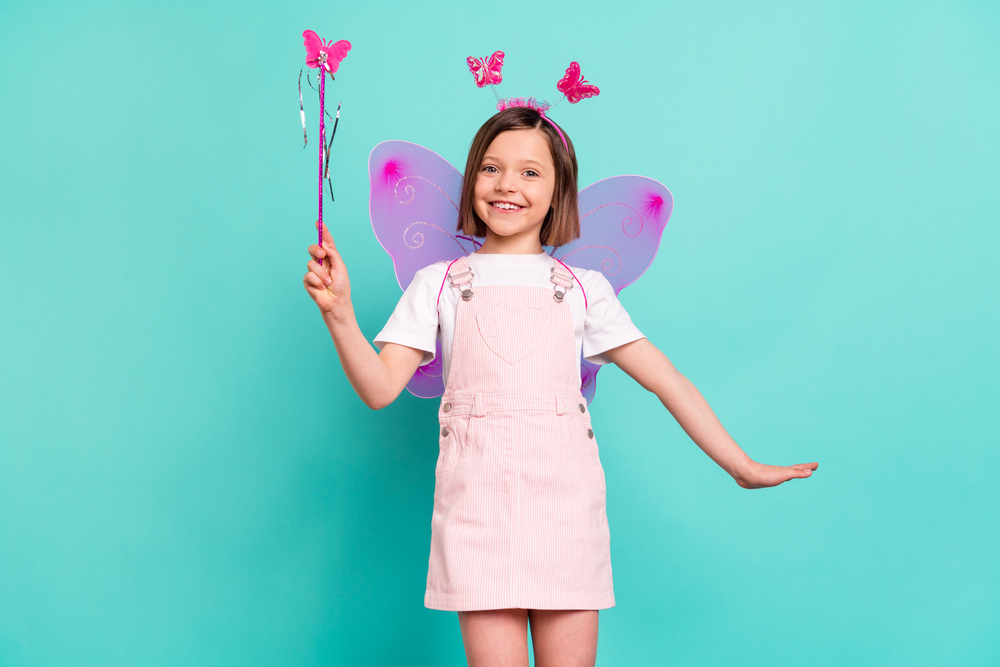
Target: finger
point(316, 294)
point(313, 290)
point(317, 251)
point(334, 255)
point(315, 281)
point(319, 272)
point(330, 247)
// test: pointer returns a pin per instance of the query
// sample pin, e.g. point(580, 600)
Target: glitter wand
point(326, 56)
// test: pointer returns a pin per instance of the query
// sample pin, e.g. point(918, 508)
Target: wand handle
point(322, 148)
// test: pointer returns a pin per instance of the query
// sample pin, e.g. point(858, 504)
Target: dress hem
point(516, 601)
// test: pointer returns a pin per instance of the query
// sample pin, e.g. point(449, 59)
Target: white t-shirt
point(600, 326)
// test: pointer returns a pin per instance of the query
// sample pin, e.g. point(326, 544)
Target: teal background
point(187, 477)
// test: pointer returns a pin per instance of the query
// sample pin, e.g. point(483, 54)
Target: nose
point(507, 182)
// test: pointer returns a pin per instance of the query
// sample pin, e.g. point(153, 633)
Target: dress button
point(447, 407)
point(582, 409)
point(590, 433)
point(444, 431)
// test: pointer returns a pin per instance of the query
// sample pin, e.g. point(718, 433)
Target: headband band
point(532, 103)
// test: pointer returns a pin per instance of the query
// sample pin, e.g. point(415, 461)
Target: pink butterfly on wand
point(326, 57)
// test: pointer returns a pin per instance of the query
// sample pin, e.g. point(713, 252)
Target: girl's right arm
point(378, 378)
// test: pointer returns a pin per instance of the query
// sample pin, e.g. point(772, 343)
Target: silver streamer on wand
point(326, 164)
point(309, 81)
point(302, 112)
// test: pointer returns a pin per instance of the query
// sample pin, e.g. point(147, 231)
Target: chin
point(508, 230)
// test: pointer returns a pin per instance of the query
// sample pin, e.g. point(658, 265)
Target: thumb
point(331, 249)
point(327, 238)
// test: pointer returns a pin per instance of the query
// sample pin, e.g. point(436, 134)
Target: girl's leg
point(495, 638)
point(564, 637)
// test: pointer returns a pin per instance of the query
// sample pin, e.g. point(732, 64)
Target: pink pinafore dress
point(519, 498)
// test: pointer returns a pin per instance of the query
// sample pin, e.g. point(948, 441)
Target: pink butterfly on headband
point(487, 71)
point(319, 52)
point(574, 87)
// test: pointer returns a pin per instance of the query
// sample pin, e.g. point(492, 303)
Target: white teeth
point(505, 205)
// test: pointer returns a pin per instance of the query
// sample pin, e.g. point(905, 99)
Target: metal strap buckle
point(559, 295)
point(460, 281)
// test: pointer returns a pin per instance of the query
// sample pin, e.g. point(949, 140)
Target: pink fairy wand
point(326, 56)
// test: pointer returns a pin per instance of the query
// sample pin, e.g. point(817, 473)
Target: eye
point(488, 167)
point(531, 172)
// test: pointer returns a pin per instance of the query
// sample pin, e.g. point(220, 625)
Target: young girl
point(519, 532)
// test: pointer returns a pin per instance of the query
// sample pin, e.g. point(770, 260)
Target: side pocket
point(583, 438)
point(585, 450)
point(453, 443)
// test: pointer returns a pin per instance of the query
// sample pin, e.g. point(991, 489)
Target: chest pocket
point(512, 333)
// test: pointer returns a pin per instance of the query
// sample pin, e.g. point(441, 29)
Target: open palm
point(760, 475)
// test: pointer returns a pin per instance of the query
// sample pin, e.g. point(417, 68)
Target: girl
point(519, 530)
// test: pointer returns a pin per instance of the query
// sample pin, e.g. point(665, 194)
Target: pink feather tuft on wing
point(654, 204)
point(392, 171)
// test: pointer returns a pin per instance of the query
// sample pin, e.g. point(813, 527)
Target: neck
point(525, 243)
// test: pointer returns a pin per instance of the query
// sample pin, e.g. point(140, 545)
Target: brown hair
point(562, 222)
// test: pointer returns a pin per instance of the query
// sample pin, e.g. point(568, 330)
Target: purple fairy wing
point(414, 207)
point(428, 381)
point(621, 223)
point(414, 211)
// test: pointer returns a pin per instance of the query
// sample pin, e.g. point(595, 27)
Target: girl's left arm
point(651, 369)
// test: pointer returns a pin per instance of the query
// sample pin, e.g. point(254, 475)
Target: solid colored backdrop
point(187, 477)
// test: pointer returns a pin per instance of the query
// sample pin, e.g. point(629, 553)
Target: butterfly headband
point(572, 86)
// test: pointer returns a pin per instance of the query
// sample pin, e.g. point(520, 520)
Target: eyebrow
point(495, 158)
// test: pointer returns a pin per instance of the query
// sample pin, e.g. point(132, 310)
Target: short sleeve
point(414, 321)
point(607, 324)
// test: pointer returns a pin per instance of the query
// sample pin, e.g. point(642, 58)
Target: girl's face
point(515, 184)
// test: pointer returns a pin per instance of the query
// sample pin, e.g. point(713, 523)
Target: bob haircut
point(562, 222)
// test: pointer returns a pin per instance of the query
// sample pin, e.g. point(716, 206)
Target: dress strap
point(461, 277)
point(560, 278)
point(565, 273)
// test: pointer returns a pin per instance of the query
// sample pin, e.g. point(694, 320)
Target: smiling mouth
point(505, 206)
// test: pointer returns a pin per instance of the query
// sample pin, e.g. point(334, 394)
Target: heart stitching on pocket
point(512, 333)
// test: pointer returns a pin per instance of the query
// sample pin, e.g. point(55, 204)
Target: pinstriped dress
point(519, 515)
